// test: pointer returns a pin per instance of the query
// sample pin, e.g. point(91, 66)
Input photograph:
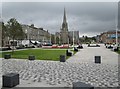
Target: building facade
point(31, 33)
point(65, 36)
point(36, 34)
point(64, 30)
point(109, 37)
point(73, 37)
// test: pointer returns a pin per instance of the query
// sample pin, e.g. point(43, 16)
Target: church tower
point(64, 30)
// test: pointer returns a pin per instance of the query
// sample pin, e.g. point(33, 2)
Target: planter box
point(62, 58)
point(75, 49)
point(116, 49)
point(68, 53)
point(80, 85)
point(7, 56)
point(31, 57)
point(97, 59)
point(10, 80)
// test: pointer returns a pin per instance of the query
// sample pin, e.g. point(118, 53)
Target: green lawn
point(40, 54)
point(0, 55)
point(118, 51)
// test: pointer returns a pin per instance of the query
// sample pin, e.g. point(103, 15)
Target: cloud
point(89, 18)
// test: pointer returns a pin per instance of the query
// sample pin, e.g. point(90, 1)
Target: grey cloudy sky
point(90, 18)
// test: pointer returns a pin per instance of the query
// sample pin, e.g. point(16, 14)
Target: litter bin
point(62, 58)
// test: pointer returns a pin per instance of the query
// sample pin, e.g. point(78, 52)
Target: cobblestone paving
point(0, 73)
point(64, 74)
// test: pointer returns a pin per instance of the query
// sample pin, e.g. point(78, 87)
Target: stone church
point(64, 30)
point(65, 36)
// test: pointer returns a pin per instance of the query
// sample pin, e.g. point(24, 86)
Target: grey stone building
point(36, 34)
point(64, 30)
point(73, 35)
point(32, 33)
point(65, 36)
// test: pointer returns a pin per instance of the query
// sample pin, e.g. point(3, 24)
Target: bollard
point(62, 58)
point(97, 59)
point(31, 57)
point(81, 85)
point(10, 80)
point(7, 56)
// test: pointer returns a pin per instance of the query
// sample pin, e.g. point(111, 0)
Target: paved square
point(80, 67)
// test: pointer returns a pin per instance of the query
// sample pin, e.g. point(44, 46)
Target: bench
point(69, 53)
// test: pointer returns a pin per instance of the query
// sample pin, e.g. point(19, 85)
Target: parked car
point(80, 47)
point(109, 46)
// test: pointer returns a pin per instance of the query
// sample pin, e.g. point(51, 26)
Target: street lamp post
point(68, 40)
point(59, 38)
point(28, 32)
point(116, 37)
point(116, 30)
point(55, 38)
point(38, 36)
point(106, 36)
point(43, 39)
point(50, 38)
point(73, 38)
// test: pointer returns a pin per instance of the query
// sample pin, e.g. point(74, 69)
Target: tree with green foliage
point(57, 40)
point(93, 38)
point(15, 30)
point(52, 39)
point(4, 33)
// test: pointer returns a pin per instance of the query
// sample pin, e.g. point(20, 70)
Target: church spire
point(64, 24)
point(64, 17)
point(64, 30)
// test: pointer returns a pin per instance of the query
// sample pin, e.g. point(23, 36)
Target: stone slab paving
point(79, 67)
point(87, 55)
